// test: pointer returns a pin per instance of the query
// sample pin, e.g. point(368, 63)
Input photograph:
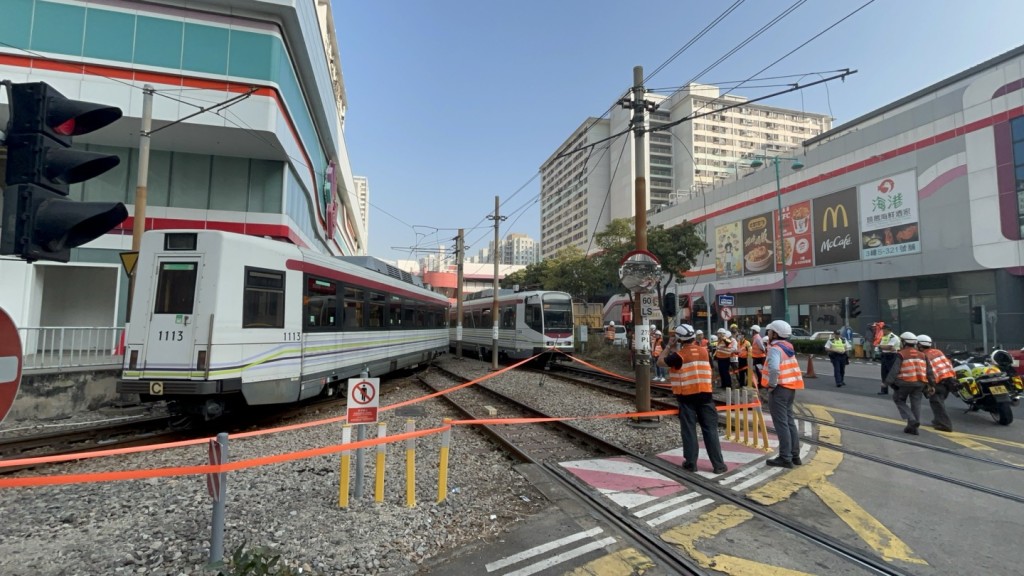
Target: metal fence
point(61, 347)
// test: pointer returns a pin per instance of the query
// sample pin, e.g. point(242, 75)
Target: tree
point(571, 271)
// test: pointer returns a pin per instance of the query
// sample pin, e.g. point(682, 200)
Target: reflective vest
point(694, 375)
point(744, 350)
point(837, 346)
point(789, 372)
point(724, 348)
point(890, 339)
point(609, 333)
point(757, 350)
point(656, 348)
point(913, 367)
point(941, 366)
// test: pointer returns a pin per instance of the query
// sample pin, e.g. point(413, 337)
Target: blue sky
point(454, 102)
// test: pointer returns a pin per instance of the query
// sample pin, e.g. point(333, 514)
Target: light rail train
point(223, 320)
point(530, 323)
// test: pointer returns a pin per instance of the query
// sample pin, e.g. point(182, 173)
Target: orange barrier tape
point(598, 368)
point(98, 453)
point(207, 468)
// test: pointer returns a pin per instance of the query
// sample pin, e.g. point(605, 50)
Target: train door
point(172, 321)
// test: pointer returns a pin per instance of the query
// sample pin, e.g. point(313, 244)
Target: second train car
point(530, 323)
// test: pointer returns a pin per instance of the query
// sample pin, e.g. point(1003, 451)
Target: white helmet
point(722, 331)
point(653, 327)
point(908, 337)
point(685, 332)
point(755, 328)
point(781, 328)
point(700, 332)
point(611, 322)
point(657, 332)
point(924, 340)
point(713, 339)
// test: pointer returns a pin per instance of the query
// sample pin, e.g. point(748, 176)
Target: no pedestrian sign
point(363, 400)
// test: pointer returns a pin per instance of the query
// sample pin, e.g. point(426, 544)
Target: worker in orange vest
point(784, 379)
point(609, 332)
point(742, 358)
point(758, 350)
point(945, 382)
point(909, 375)
point(690, 373)
point(657, 346)
point(725, 349)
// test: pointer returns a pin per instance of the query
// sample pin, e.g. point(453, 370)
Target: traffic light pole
point(141, 190)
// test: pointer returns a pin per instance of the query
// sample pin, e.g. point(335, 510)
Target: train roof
point(505, 292)
point(378, 265)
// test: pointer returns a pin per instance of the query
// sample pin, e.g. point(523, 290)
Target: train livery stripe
point(361, 281)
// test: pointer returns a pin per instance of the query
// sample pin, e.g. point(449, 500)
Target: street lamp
point(758, 161)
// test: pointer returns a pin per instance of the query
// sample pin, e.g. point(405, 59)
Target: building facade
point(271, 163)
point(915, 209)
point(362, 184)
point(582, 193)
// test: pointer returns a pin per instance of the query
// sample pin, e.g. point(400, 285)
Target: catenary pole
point(460, 246)
point(642, 354)
point(141, 190)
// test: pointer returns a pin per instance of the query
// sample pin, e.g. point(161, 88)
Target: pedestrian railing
point(62, 347)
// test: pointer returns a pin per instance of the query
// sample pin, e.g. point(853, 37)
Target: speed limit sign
point(647, 305)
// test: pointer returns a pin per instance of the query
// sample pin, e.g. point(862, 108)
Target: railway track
point(643, 535)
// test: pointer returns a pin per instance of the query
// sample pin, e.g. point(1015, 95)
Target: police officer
point(889, 345)
point(784, 378)
point(945, 382)
point(690, 375)
point(839, 353)
point(909, 375)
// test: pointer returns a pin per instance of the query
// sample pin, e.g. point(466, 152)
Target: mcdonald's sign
point(836, 228)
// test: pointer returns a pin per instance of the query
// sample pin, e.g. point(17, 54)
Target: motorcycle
point(989, 383)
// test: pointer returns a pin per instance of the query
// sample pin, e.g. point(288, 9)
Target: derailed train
point(222, 320)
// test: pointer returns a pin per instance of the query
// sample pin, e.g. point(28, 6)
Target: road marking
point(709, 525)
point(824, 465)
point(556, 560)
point(679, 512)
point(962, 438)
point(622, 563)
point(666, 504)
point(870, 530)
point(536, 550)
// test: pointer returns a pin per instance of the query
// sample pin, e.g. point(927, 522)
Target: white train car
point(530, 323)
point(221, 320)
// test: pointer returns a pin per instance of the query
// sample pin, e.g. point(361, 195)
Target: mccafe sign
point(835, 223)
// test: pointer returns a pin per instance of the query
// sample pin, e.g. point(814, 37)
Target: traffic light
point(39, 221)
point(854, 307)
point(668, 307)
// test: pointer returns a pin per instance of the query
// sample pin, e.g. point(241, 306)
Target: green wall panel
point(63, 25)
point(158, 42)
point(109, 35)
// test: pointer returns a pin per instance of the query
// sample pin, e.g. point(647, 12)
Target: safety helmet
point(611, 322)
point(924, 340)
point(653, 327)
point(713, 339)
point(1002, 358)
point(908, 337)
point(755, 328)
point(721, 331)
point(685, 332)
point(657, 332)
point(781, 328)
point(733, 327)
point(700, 332)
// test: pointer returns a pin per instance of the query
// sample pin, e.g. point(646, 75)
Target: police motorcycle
point(989, 383)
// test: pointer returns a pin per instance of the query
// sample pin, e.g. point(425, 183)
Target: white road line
point(530, 553)
point(666, 504)
point(741, 474)
point(680, 511)
point(555, 560)
point(751, 481)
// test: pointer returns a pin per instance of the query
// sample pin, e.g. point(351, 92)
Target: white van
point(620, 336)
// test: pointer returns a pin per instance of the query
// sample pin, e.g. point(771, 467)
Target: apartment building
point(582, 192)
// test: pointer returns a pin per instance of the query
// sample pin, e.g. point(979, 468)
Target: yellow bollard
point(442, 473)
point(378, 488)
point(343, 476)
point(410, 465)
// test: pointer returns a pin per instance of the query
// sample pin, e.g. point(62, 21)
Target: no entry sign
point(363, 400)
point(10, 363)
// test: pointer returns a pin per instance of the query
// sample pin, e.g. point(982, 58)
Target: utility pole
point(141, 190)
point(460, 246)
point(494, 306)
point(639, 125)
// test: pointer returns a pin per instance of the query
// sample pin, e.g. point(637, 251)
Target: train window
point(263, 300)
point(467, 319)
point(486, 318)
point(176, 288)
point(533, 316)
point(354, 307)
point(508, 317)
point(320, 305)
point(180, 241)
point(395, 312)
point(376, 311)
point(557, 312)
point(409, 313)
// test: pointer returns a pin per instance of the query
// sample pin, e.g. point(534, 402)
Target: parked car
point(620, 336)
point(800, 334)
point(823, 336)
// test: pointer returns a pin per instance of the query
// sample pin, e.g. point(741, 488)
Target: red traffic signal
point(37, 107)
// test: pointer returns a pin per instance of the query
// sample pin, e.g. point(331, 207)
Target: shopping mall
point(915, 209)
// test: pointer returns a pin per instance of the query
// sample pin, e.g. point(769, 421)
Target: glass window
point(508, 317)
point(229, 185)
point(112, 185)
point(409, 313)
point(263, 300)
point(321, 303)
point(354, 305)
point(190, 181)
point(395, 312)
point(265, 185)
point(176, 288)
point(376, 314)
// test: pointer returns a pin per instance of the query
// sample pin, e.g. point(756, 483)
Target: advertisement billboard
point(758, 244)
point(728, 250)
point(797, 246)
point(889, 221)
point(835, 228)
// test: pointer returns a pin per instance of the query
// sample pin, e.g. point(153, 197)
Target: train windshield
point(557, 313)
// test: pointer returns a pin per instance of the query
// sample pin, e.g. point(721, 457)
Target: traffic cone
point(810, 367)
